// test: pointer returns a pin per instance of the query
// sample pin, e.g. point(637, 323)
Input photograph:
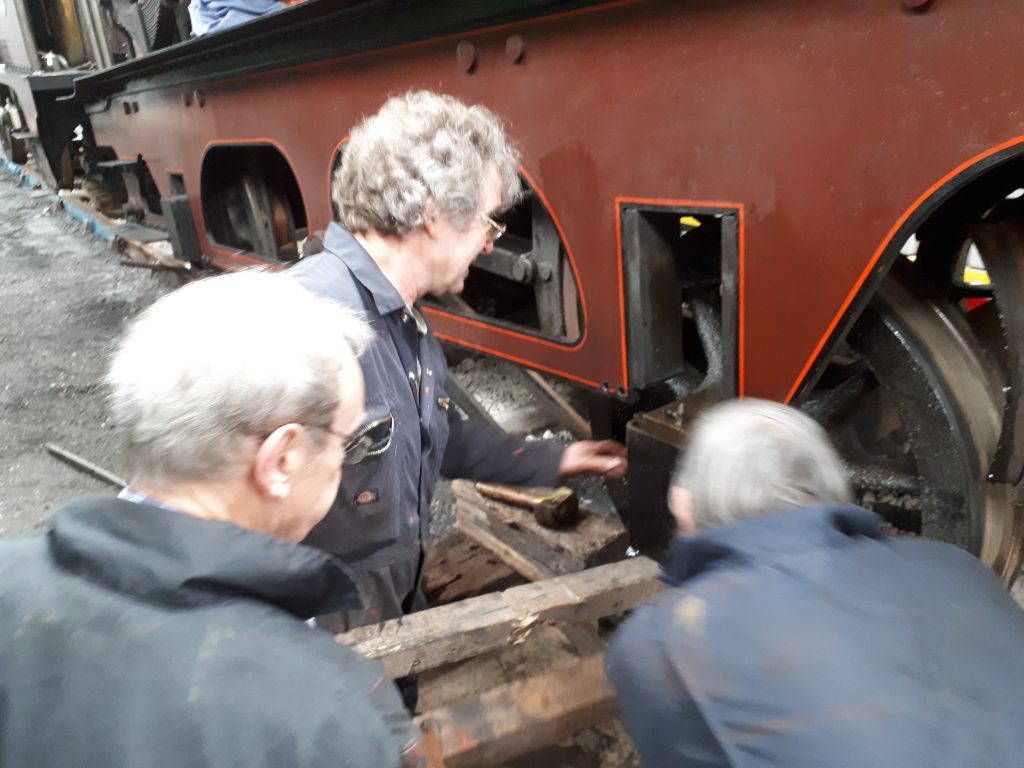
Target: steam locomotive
point(816, 202)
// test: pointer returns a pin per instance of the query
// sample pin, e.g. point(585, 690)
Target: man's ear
point(431, 220)
point(276, 461)
point(680, 503)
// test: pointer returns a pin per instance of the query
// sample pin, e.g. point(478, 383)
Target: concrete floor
point(64, 297)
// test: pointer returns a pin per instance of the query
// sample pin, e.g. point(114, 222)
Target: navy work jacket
point(806, 638)
point(131, 635)
point(382, 511)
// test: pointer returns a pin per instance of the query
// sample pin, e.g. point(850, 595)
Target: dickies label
point(368, 496)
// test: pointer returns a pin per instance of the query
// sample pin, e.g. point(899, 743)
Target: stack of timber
point(450, 633)
point(568, 591)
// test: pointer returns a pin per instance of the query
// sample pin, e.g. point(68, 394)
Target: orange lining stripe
point(430, 310)
point(513, 358)
point(884, 245)
point(622, 286)
point(565, 241)
point(529, 337)
point(497, 329)
point(568, 251)
point(330, 179)
point(741, 309)
point(229, 142)
point(622, 292)
point(235, 142)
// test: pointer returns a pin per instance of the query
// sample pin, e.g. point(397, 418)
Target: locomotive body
point(770, 199)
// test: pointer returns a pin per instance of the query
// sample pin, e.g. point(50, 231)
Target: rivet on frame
point(515, 49)
point(465, 54)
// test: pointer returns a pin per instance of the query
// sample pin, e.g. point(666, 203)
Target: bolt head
point(515, 49)
point(465, 55)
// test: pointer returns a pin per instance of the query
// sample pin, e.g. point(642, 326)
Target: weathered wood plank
point(514, 719)
point(524, 553)
point(439, 636)
point(457, 568)
point(585, 638)
point(594, 540)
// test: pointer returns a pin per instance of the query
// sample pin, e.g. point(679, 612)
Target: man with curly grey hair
point(797, 634)
point(417, 192)
point(168, 627)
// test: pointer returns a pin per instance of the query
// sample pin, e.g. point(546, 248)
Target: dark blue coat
point(131, 635)
point(380, 518)
point(806, 638)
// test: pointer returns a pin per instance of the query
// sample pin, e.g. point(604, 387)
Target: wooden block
point(458, 631)
point(526, 554)
point(594, 540)
point(514, 719)
point(585, 638)
point(457, 568)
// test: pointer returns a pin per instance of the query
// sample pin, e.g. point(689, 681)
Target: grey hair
point(748, 457)
point(208, 369)
point(421, 148)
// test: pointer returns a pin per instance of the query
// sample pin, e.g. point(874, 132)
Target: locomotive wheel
point(259, 219)
point(916, 410)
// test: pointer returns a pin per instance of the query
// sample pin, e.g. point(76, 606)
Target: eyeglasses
point(492, 229)
point(371, 439)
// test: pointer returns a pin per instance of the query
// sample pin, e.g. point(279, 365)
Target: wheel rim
point(932, 408)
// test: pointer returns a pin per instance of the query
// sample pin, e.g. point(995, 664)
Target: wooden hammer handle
point(508, 494)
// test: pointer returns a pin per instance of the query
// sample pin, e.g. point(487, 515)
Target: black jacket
point(136, 636)
point(807, 639)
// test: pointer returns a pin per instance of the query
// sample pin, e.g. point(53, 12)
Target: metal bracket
point(135, 208)
point(181, 230)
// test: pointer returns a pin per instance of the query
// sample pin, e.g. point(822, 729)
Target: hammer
point(552, 509)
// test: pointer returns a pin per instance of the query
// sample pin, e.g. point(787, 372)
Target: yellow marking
point(974, 276)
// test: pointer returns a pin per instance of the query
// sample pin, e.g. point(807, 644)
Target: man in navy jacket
point(797, 634)
point(417, 192)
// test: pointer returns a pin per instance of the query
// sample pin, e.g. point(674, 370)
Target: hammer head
point(557, 509)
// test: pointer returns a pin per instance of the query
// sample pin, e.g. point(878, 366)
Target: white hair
point(421, 148)
point(748, 457)
point(207, 370)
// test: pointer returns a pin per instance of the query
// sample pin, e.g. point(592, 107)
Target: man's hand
point(594, 457)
